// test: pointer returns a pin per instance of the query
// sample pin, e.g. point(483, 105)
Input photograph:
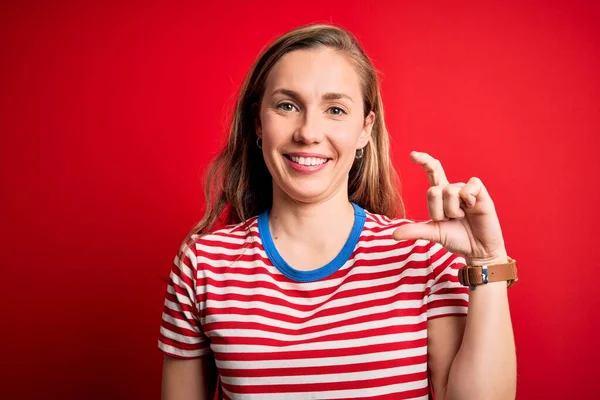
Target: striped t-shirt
point(355, 328)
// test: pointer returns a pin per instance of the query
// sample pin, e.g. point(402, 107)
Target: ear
point(258, 128)
point(365, 135)
point(257, 125)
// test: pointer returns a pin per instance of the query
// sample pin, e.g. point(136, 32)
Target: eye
point(336, 111)
point(285, 106)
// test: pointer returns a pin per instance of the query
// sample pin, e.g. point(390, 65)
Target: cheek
point(346, 135)
point(275, 128)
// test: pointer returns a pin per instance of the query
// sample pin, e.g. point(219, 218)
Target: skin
point(320, 111)
point(464, 220)
point(311, 219)
point(296, 116)
point(193, 379)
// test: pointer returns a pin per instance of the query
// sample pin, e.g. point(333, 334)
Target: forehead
point(313, 72)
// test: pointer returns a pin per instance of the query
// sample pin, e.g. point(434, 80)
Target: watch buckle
point(484, 273)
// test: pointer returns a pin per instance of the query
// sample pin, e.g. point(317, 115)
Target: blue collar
point(319, 273)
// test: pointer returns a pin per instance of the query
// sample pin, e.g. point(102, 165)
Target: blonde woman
point(316, 287)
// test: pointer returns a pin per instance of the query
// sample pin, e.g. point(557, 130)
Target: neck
point(320, 222)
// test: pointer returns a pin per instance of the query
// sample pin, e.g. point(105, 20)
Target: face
point(312, 123)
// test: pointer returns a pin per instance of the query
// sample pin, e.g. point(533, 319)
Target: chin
point(307, 193)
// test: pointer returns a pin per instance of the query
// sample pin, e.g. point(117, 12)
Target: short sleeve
point(181, 332)
point(446, 295)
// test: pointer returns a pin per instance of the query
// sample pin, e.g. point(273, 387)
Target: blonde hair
point(238, 184)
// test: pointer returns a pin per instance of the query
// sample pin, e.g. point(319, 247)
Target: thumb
point(418, 230)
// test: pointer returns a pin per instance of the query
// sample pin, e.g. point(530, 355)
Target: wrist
point(498, 258)
point(497, 268)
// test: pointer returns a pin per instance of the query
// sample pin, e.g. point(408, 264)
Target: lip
point(306, 169)
point(315, 155)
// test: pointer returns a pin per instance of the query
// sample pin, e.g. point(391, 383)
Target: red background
point(109, 114)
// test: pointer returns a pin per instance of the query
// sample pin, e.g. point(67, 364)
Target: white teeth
point(308, 161)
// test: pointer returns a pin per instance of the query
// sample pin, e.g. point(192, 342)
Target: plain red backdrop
point(110, 113)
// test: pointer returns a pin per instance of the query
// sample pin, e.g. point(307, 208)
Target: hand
point(464, 218)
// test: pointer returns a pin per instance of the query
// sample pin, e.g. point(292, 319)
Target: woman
point(317, 287)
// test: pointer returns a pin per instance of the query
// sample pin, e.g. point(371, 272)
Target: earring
point(359, 153)
point(259, 143)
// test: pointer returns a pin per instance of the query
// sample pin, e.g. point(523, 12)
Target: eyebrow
point(326, 96)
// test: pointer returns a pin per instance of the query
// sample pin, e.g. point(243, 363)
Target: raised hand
point(463, 215)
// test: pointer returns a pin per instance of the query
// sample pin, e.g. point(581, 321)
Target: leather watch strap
point(482, 274)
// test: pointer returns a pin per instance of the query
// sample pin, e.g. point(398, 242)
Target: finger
point(468, 194)
point(414, 231)
point(435, 203)
point(451, 199)
point(474, 191)
point(435, 171)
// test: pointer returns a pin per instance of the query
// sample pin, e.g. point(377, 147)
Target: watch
point(474, 275)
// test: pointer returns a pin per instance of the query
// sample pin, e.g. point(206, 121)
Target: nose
point(310, 130)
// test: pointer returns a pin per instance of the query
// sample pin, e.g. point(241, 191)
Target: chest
point(264, 315)
point(357, 332)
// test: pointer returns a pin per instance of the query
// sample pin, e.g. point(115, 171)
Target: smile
point(307, 161)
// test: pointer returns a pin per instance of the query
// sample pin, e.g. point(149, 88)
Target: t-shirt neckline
point(322, 272)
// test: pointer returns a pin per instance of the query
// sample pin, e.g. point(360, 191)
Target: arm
point(192, 379)
point(481, 362)
point(444, 336)
point(464, 221)
point(189, 370)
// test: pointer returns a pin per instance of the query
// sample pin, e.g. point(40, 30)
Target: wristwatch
point(474, 275)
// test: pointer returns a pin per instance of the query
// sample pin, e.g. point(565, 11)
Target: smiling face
point(312, 123)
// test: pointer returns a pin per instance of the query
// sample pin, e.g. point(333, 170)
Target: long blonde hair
point(238, 184)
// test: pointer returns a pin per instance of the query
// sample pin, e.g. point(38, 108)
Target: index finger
point(435, 172)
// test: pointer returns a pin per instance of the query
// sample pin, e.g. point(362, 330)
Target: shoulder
point(219, 242)
point(379, 228)
point(380, 222)
point(422, 257)
point(377, 238)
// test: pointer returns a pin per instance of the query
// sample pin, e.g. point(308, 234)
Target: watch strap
point(472, 275)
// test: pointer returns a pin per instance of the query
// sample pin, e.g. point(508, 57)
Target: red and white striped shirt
point(354, 329)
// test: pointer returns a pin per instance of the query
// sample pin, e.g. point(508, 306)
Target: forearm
point(485, 365)
point(188, 379)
